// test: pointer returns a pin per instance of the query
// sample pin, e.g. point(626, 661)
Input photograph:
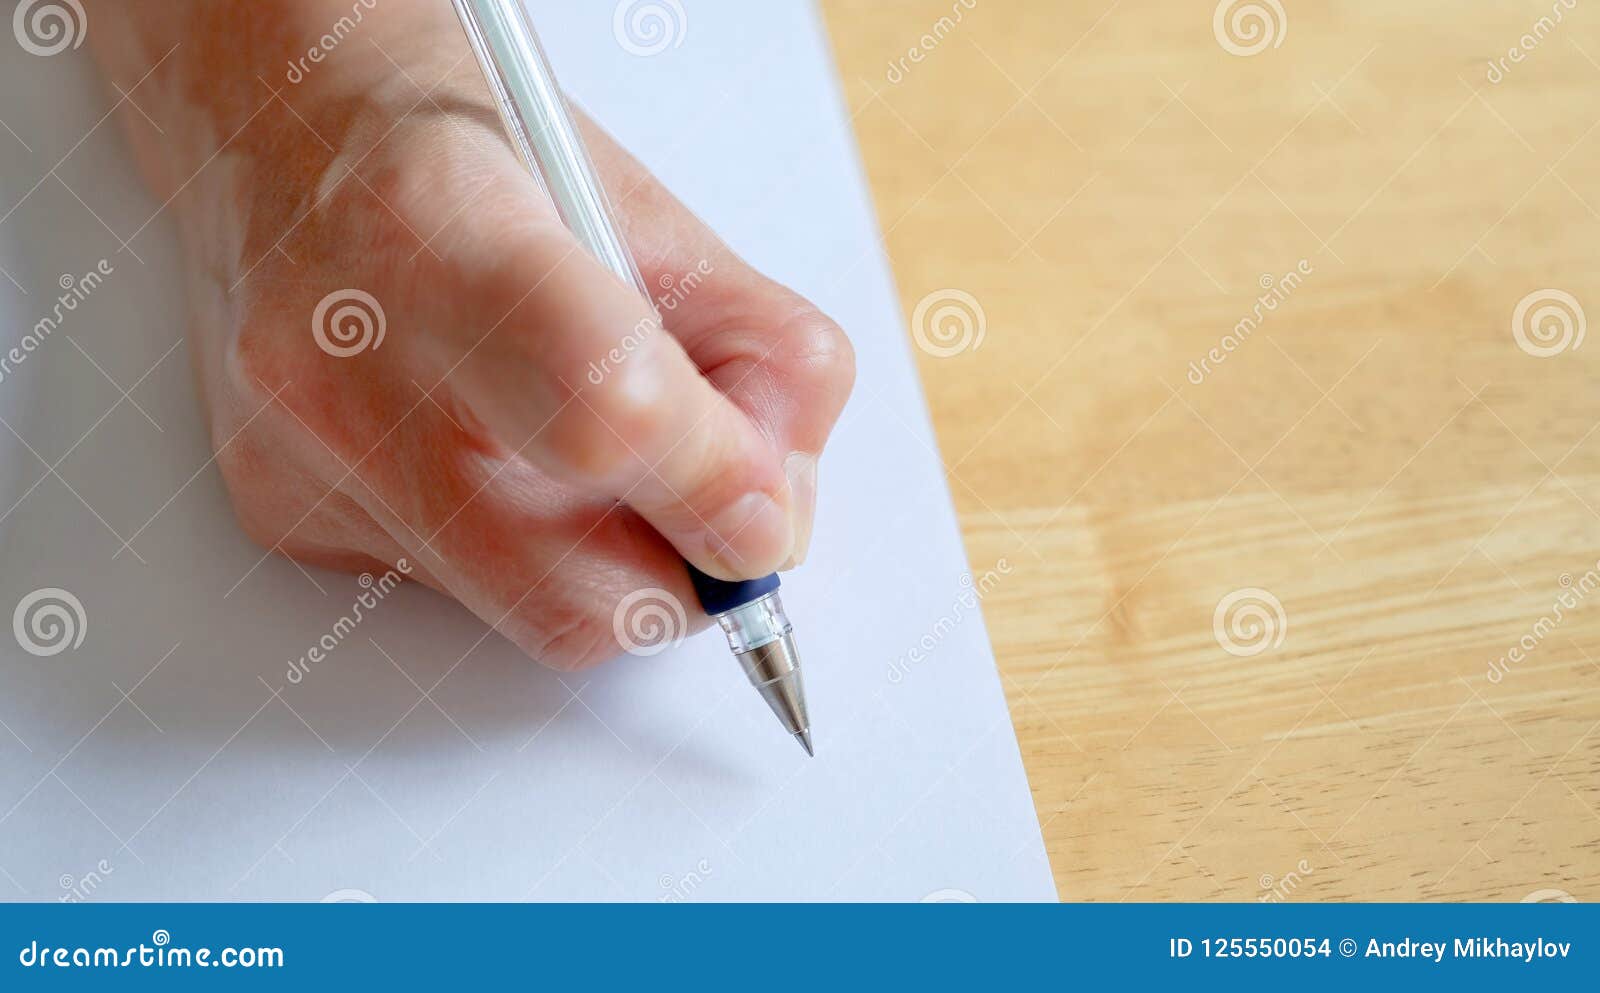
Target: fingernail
point(802, 472)
point(750, 534)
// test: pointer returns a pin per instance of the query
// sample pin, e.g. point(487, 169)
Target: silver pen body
point(540, 126)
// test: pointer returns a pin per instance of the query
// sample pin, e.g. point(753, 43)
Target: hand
point(404, 355)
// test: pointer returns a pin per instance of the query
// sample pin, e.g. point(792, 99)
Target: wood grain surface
point(1319, 620)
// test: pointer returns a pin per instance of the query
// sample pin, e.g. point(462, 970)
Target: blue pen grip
point(718, 596)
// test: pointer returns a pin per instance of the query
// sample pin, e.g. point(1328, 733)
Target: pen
point(536, 119)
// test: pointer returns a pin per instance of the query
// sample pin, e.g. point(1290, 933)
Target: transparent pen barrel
point(755, 624)
point(537, 120)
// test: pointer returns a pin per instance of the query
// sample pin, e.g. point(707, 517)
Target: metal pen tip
point(774, 669)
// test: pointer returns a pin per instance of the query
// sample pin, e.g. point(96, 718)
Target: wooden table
point(1384, 472)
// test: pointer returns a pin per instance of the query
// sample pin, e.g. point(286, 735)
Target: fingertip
point(800, 468)
point(749, 538)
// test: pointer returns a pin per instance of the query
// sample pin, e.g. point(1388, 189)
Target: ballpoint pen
point(536, 119)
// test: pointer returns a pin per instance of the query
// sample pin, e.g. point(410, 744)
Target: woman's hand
point(403, 354)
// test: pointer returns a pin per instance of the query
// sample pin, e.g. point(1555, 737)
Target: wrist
point(207, 75)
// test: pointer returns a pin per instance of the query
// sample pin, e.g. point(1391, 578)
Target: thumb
point(580, 377)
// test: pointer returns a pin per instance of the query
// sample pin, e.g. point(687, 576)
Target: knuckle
point(241, 474)
point(404, 187)
point(241, 464)
point(569, 637)
point(817, 350)
point(585, 445)
point(271, 350)
point(256, 528)
point(609, 422)
point(454, 171)
point(258, 359)
point(245, 465)
point(277, 376)
point(255, 482)
point(714, 489)
point(254, 525)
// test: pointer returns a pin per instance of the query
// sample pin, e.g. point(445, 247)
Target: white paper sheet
point(648, 779)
